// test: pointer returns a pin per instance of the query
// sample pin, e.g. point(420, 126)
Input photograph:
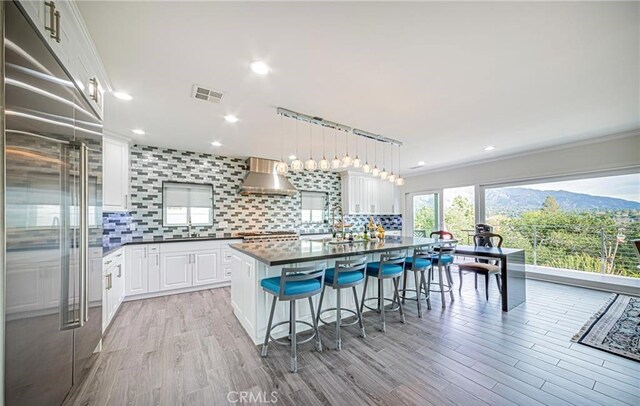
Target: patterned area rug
point(615, 328)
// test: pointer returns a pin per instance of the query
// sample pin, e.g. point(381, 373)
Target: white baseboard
point(177, 291)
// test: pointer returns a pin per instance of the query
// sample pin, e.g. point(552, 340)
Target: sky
point(622, 187)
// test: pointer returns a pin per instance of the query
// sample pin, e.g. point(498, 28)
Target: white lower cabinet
point(137, 280)
point(205, 266)
point(175, 270)
point(153, 268)
point(113, 291)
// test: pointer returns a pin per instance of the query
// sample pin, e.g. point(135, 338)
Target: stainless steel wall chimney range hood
point(263, 179)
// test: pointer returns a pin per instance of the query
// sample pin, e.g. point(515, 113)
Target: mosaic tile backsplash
point(150, 166)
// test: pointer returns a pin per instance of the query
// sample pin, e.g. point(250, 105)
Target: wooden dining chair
point(484, 267)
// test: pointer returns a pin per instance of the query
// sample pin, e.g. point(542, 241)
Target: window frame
point(325, 211)
point(164, 206)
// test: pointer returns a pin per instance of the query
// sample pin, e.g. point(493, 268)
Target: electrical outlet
point(223, 225)
point(132, 227)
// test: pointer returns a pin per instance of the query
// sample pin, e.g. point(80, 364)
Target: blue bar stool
point(442, 257)
point(390, 266)
point(291, 285)
point(418, 263)
point(346, 274)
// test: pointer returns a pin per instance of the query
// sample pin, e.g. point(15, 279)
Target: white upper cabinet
point(364, 194)
point(115, 175)
point(61, 25)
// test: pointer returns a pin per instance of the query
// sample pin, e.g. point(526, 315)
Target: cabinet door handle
point(57, 35)
point(52, 18)
point(158, 260)
point(126, 201)
point(94, 93)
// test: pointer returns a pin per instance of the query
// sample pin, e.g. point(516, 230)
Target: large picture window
point(187, 203)
point(582, 224)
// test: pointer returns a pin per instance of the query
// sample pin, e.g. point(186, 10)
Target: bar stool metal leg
point(418, 294)
point(315, 325)
point(266, 337)
point(338, 320)
point(440, 283)
point(423, 284)
point(404, 286)
point(359, 310)
point(381, 305)
point(292, 325)
point(450, 280)
point(396, 282)
point(364, 294)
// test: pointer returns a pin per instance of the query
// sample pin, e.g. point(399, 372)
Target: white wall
point(596, 156)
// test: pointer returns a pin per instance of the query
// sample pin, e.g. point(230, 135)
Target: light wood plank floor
point(189, 349)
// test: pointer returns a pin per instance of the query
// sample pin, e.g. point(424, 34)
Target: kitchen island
point(251, 262)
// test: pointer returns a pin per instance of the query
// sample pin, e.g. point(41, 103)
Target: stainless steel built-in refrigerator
point(53, 185)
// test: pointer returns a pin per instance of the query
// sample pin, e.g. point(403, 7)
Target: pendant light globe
point(282, 168)
point(346, 161)
point(297, 165)
point(311, 165)
point(336, 163)
point(324, 164)
point(366, 168)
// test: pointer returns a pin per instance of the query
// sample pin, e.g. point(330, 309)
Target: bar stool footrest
point(375, 309)
point(402, 292)
point(288, 342)
point(341, 309)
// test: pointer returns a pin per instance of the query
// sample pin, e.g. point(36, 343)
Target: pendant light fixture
point(346, 160)
point(311, 164)
point(366, 168)
point(392, 177)
point(399, 179)
point(357, 163)
point(383, 172)
point(335, 163)
point(375, 171)
point(324, 164)
point(296, 164)
point(281, 166)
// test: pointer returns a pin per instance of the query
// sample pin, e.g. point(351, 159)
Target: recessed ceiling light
point(489, 148)
point(260, 67)
point(231, 118)
point(292, 157)
point(421, 163)
point(123, 96)
point(216, 144)
point(138, 131)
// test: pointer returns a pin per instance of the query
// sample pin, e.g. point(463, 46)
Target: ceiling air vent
point(202, 93)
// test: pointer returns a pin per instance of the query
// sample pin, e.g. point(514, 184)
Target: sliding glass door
point(425, 213)
point(459, 212)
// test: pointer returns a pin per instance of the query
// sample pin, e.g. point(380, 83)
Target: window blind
point(314, 201)
point(187, 195)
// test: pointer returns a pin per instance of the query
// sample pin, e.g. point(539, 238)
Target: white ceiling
point(446, 79)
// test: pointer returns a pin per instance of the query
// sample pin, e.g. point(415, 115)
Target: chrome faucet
point(338, 207)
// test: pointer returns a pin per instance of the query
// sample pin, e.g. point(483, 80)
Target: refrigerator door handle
point(84, 233)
